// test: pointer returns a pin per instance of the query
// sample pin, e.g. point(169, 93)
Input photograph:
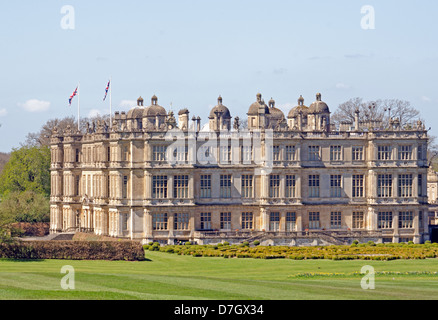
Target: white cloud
point(426, 99)
point(94, 113)
point(341, 85)
point(127, 104)
point(34, 105)
point(3, 112)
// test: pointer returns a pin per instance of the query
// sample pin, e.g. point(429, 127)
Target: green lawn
point(170, 276)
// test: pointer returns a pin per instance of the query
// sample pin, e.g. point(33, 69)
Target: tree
point(28, 169)
point(381, 110)
point(42, 137)
point(27, 206)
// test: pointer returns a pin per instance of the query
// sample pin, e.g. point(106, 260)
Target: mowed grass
point(170, 276)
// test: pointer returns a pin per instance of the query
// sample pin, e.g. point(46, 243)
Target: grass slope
point(170, 276)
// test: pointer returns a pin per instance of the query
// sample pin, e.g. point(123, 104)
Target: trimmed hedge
point(368, 251)
point(73, 250)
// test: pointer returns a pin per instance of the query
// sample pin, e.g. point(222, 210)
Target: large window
point(225, 185)
point(159, 153)
point(290, 186)
point(314, 186)
point(405, 152)
point(205, 220)
point(159, 187)
point(384, 152)
point(384, 185)
point(205, 187)
point(247, 220)
point(420, 185)
point(274, 186)
point(335, 220)
point(290, 153)
point(405, 185)
point(276, 153)
point(358, 185)
point(291, 221)
point(405, 219)
point(358, 220)
point(357, 153)
point(274, 221)
point(125, 187)
point(225, 154)
point(384, 220)
point(313, 220)
point(181, 186)
point(314, 153)
point(181, 221)
point(335, 186)
point(226, 220)
point(335, 153)
point(246, 155)
point(159, 221)
point(247, 188)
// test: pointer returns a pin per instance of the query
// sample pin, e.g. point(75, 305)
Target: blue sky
point(190, 52)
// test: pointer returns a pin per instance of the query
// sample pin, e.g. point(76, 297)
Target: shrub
point(246, 243)
point(256, 242)
point(74, 250)
point(226, 243)
point(188, 243)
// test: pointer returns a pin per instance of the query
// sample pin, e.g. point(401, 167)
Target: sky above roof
point(188, 52)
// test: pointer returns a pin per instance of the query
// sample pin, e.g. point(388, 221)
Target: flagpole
point(79, 129)
point(110, 93)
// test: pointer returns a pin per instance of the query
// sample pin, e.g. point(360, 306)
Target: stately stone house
point(290, 179)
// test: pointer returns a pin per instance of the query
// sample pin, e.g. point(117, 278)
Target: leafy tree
point(28, 169)
point(27, 206)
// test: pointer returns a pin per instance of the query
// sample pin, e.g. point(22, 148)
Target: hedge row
point(26, 229)
point(73, 250)
point(353, 252)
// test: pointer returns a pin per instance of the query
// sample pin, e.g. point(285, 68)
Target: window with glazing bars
point(159, 187)
point(405, 219)
point(247, 220)
point(274, 186)
point(384, 220)
point(181, 186)
point(384, 185)
point(405, 152)
point(247, 189)
point(313, 186)
point(225, 185)
point(290, 186)
point(159, 221)
point(358, 185)
point(205, 186)
point(405, 185)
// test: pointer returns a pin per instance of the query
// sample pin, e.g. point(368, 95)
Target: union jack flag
point(74, 94)
point(106, 90)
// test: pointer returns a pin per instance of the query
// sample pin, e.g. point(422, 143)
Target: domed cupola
point(297, 117)
point(220, 117)
point(319, 115)
point(319, 106)
point(276, 116)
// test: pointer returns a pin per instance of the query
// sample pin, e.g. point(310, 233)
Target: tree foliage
point(381, 110)
point(28, 169)
point(27, 206)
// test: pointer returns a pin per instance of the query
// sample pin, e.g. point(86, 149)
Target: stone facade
point(281, 180)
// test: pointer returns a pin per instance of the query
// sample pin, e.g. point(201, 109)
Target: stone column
point(147, 225)
point(417, 238)
point(395, 219)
